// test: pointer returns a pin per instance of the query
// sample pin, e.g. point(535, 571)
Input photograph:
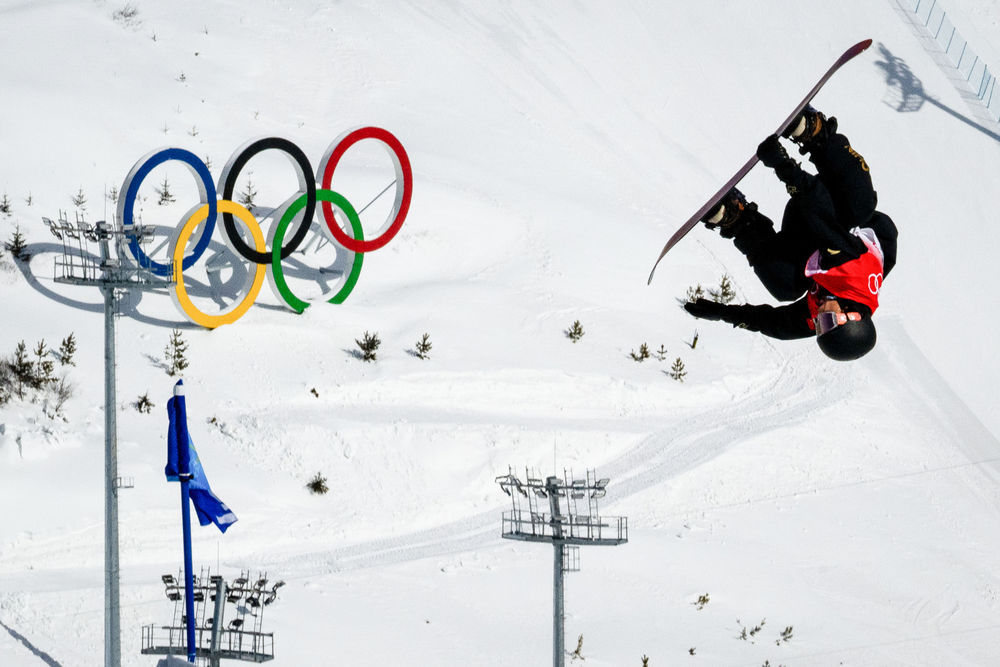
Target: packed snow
point(555, 147)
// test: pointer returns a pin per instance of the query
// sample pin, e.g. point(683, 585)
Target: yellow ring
point(180, 294)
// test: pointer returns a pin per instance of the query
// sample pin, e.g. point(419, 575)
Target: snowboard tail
point(745, 169)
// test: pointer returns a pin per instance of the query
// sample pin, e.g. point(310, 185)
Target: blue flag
point(206, 504)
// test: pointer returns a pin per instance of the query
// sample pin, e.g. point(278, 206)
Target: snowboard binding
point(728, 216)
point(811, 129)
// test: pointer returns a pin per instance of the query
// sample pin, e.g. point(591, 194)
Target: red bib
point(858, 280)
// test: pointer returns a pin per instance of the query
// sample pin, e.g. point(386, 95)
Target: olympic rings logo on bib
point(874, 282)
point(216, 199)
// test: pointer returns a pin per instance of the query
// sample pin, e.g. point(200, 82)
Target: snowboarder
point(829, 257)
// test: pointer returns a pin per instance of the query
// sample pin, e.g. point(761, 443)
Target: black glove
point(771, 152)
point(705, 309)
point(773, 155)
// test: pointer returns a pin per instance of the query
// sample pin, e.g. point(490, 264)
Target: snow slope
point(555, 147)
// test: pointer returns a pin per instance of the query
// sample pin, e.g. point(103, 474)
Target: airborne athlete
point(831, 254)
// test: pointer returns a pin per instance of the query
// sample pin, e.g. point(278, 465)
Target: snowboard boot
point(810, 129)
point(730, 214)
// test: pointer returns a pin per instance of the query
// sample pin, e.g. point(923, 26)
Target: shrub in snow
point(66, 350)
point(677, 371)
point(368, 344)
point(318, 484)
point(80, 200)
point(423, 347)
point(143, 404)
point(725, 293)
point(16, 246)
point(575, 332)
point(643, 353)
point(174, 353)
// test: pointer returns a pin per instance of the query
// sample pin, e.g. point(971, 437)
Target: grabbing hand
point(771, 152)
point(705, 309)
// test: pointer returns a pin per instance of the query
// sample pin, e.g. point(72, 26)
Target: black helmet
point(849, 341)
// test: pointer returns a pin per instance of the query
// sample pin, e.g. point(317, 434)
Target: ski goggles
point(827, 322)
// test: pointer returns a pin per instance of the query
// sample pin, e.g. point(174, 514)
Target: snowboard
point(745, 169)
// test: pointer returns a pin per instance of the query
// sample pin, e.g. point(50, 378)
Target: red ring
point(402, 169)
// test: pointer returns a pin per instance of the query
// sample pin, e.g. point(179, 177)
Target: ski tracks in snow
point(789, 396)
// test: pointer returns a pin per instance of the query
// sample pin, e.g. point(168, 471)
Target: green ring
point(294, 302)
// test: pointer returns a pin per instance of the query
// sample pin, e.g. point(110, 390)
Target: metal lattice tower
point(79, 264)
point(573, 520)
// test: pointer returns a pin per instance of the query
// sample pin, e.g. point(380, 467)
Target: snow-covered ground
point(555, 146)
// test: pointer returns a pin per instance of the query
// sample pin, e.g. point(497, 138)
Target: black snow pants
point(819, 215)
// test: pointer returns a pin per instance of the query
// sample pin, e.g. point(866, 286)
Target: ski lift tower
point(112, 274)
point(573, 520)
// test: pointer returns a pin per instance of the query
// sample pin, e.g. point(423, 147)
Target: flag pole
point(184, 473)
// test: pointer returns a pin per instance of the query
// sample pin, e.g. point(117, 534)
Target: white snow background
point(555, 147)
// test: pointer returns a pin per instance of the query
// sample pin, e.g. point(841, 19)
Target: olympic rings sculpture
point(311, 190)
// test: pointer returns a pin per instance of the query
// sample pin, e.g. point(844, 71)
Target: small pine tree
point(23, 372)
point(677, 371)
point(368, 345)
point(575, 332)
point(143, 404)
point(643, 353)
point(725, 293)
point(661, 354)
point(645, 660)
point(5, 205)
point(694, 341)
point(166, 197)
point(66, 350)
point(318, 484)
point(423, 347)
point(29, 200)
point(208, 163)
point(695, 293)
point(16, 246)
point(578, 653)
point(113, 194)
point(44, 368)
point(80, 200)
point(174, 353)
point(249, 194)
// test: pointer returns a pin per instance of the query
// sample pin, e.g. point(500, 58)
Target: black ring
point(228, 178)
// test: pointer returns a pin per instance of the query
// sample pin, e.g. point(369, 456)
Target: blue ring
point(131, 188)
